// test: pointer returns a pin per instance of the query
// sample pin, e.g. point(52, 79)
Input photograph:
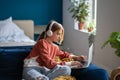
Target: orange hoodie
point(46, 53)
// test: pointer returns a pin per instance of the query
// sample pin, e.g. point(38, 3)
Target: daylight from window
point(84, 14)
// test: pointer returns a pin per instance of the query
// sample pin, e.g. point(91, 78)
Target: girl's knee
point(66, 70)
point(59, 71)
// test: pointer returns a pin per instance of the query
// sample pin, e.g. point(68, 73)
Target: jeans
point(31, 73)
point(92, 72)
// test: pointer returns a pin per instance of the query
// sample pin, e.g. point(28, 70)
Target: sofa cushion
point(11, 60)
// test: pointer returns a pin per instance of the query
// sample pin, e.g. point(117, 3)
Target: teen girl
point(40, 63)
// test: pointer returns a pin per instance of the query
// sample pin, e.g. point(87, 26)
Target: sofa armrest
point(115, 74)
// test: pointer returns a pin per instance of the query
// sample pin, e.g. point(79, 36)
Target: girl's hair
point(56, 26)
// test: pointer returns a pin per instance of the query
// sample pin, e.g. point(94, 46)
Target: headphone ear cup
point(49, 33)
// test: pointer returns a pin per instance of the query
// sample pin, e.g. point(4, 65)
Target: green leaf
point(114, 41)
point(79, 10)
point(117, 52)
point(105, 43)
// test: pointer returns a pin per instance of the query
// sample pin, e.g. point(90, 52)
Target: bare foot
point(39, 78)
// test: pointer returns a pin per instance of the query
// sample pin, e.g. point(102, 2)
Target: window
point(84, 11)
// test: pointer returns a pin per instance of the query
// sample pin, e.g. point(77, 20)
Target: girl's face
point(56, 35)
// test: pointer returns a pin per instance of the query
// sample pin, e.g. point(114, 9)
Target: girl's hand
point(80, 58)
point(76, 63)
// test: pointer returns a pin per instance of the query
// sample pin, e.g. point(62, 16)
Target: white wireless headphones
point(49, 32)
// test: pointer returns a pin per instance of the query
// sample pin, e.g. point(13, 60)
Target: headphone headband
point(50, 27)
point(49, 32)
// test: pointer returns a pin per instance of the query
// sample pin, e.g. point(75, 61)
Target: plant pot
point(90, 29)
point(81, 25)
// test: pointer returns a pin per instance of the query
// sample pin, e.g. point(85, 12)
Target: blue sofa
point(11, 66)
point(93, 72)
point(11, 62)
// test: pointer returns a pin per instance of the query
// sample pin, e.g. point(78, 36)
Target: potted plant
point(90, 27)
point(114, 41)
point(80, 11)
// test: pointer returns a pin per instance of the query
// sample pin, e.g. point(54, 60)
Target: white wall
point(75, 40)
point(108, 20)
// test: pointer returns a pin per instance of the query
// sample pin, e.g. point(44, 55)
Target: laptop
point(87, 62)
